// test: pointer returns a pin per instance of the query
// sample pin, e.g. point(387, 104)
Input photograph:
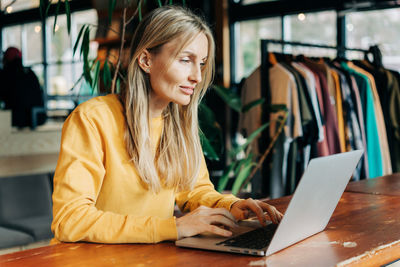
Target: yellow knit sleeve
point(203, 194)
point(77, 182)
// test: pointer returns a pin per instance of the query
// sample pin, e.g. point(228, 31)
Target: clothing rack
point(265, 93)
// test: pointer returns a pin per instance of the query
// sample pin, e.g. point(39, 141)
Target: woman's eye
point(184, 60)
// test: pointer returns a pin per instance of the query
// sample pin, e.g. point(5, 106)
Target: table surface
point(363, 231)
point(27, 164)
point(385, 185)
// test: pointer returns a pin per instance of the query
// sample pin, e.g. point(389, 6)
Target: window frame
point(33, 15)
point(239, 12)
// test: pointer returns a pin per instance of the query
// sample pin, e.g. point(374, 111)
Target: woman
point(125, 160)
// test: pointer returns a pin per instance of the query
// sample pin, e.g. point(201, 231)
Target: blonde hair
point(176, 163)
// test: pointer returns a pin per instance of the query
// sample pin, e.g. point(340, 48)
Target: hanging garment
point(251, 120)
point(339, 111)
point(329, 113)
point(373, 145)
point(394, 117)
point(322, 148)
point(311, 87)
point(283, 90)
point(360, 116)
point(387, 166)
point(353, 129)
point(308, 120)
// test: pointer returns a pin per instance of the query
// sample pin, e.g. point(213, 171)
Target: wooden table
point(385, 185)
point(363, 231)
point(27, 164)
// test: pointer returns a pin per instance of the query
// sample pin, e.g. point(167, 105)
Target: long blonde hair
point(176, 163)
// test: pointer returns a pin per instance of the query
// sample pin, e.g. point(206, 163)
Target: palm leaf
point(96, 75)
point(208, 150)
point(111, 7)
point(68, 13)
point(118, 85)
point(106, 75)
point(229, 97)
point(223, 181)
point(241, 177)
point(250, 139)
point(55, 17)
point(252, 104)
point(79, 38)
point(140, 10)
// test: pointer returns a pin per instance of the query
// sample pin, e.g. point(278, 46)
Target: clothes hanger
point(376, 56)
point(272, 58)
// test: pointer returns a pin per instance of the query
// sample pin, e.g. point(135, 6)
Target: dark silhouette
point(21, 92)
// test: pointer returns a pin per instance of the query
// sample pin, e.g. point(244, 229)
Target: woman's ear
point(144, 60)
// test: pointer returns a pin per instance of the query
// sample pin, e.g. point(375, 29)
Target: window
point(27, 38)
point(317, 28)
point(12, 37)
point(32, 43)
point(18, 5)
point(248, 45)
point(381, 27)
point(63, 71)
point(314, 28)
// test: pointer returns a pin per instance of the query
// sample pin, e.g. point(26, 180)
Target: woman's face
point(175, 79)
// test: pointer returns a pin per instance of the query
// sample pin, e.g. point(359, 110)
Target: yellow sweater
point(98, 195)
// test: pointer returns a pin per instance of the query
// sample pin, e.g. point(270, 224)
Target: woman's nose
point(195, 75)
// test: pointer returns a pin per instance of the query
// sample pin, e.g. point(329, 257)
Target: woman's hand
point(205, 219)
point(242, 208)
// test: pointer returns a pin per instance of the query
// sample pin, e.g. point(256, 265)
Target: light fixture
point(56, 28)
point(9, 9)
point(350, 27)
point(301, 16)
point(37, 29)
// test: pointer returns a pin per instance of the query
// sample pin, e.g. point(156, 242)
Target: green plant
point(243, 163)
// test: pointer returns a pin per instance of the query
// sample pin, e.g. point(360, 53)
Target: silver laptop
point(308, 213)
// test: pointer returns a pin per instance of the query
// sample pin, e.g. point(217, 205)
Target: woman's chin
point(184, 101)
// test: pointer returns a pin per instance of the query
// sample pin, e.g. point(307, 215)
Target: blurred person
point(20, 90)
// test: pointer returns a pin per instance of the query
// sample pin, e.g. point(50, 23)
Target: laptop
point(308, 213)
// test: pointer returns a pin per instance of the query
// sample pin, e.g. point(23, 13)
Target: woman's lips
point(187, 90)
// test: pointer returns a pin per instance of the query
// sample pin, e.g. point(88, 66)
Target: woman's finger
point(217, 230)
point(222, 211)
point(253, 206)
point(273, 213)
point(220, 219)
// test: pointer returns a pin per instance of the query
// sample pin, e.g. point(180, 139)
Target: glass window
point(12, 37)
point(248, 49)
point(18, 5)
point(33, 48)
point(64, 74)
point(314, 28)
point(39, 71)
point(80, 18)
point(58, 41)
point(60, 79)
point(381, 27)
point(317, 28)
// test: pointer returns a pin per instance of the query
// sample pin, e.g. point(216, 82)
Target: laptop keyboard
point(255, 239)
